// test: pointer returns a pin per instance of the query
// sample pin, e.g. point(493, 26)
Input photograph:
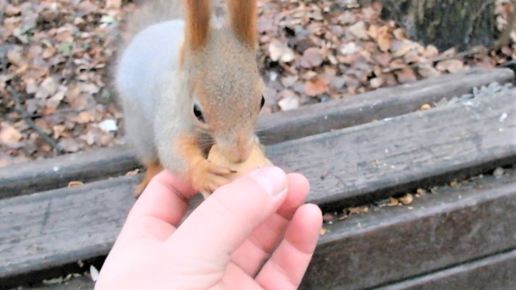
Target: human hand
point(223, 243)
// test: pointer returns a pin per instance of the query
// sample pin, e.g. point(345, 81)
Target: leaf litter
point(56, 55)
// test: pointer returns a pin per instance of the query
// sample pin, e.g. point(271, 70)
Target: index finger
point(160, 208)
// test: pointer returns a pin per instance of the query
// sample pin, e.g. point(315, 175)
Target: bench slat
point(454, 226)
point(79, 283)
point(54, 228)
point(497, 272)
point(274, 128)
point(373, 161)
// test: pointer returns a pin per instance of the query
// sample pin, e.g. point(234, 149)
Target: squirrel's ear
point(198, 14)
point(243, 19)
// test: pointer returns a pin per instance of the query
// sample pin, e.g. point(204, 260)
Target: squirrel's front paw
point(207, 177)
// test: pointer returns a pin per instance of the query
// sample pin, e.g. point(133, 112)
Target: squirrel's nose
point(243, 150)
point(243, 155)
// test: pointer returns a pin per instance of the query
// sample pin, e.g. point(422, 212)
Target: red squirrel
point(188, 79)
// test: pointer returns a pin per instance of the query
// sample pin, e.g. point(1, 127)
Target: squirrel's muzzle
point(239, 150)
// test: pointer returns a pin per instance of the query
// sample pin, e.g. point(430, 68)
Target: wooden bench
point(458, 237)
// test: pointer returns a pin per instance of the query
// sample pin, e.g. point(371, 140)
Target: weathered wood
point(54, 228)
point(58, 172)
point(455, 226)
point(57, 227)
point(79, 283)
point(275, 128)
point(376, 160)
point(429, 21)
point(497, 272)
point(375, 105)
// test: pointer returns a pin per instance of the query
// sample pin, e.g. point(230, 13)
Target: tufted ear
point(243, 18)
point(198, 14)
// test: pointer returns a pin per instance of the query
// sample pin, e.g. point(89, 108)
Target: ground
point(55, 56)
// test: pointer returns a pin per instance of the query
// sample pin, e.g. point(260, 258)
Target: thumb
point(223, 221)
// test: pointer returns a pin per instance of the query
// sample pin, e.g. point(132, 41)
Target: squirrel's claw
point(218, 170)
point(207, 177)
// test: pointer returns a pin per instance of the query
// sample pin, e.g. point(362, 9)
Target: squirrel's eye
point(198, 113)
point(262, 103)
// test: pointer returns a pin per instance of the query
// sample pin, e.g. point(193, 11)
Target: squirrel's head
point(219, 65)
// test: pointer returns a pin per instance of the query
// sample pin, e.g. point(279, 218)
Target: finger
point(224, 220)
point(251, 255)
point(298, 189)
point(159, 209)
point(236, 279)
point(288, 263)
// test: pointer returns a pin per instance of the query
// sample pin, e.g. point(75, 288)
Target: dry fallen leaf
point(75, 183)
point(404, 49)
point(66, 47)
point(310, 58)
point(427, 71)
point(291, 102)
point(69, 145)
point(350, 48)
point(454, 183)
point(8, 134)
point(289, 81)
point(133, 172)
point(425, 107)
point(359, 30)
point(406, 75)
point(357, 210)
point(431, 51)
point(47, 88)
point(393, 202)
point(315, 87)
point(384, 38)
point(451, 65)
point(113, 4)
point(377, 82)
point(280, 52)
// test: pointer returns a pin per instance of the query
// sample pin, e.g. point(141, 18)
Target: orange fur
point(202, 174)
point(198, 14)
point(182, 54)
point(243, 20)
point(153, 169)
point(219, 68)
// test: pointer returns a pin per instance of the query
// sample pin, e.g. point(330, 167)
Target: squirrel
point(188, 78)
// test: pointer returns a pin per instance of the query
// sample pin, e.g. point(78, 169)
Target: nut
point(256, 160)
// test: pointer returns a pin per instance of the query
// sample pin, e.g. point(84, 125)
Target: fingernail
point(272, 179)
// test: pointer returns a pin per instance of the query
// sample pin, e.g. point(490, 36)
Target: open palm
point(251, 234)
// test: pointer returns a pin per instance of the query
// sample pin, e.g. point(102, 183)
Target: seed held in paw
point(257, 159)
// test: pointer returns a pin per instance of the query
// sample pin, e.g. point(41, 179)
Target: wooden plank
point(497, 272)
point(54, 228)
point(373, 161)
point(456, 225)
point(375, 105)
point(79, 283)
point(274, 128)
point(67, 224)
point(58, 172)
point(442, 230)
